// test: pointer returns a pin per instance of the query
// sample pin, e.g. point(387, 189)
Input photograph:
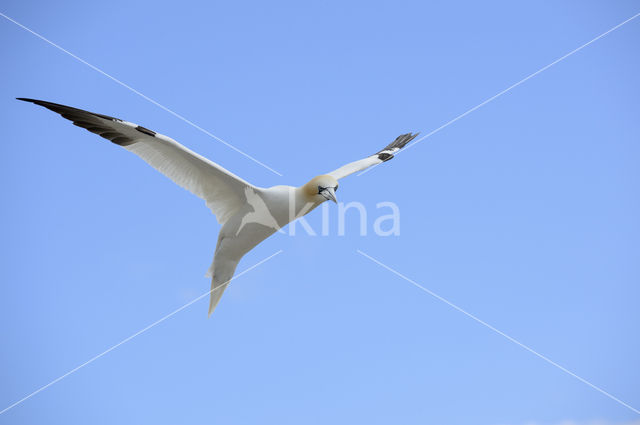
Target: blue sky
point(524, 213)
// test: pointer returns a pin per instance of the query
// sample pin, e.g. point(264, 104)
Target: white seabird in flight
point(248, 214)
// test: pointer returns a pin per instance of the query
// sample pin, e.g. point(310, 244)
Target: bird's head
point(321, 188)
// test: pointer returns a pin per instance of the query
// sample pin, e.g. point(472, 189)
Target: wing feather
point(381, 156)
point(222, 191)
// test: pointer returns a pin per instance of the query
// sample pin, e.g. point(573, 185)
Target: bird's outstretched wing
point(381, 156)
point(220, 189)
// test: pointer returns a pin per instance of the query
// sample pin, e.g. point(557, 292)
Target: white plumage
point(248, 214)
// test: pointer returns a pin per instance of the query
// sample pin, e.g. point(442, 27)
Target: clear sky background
point(524, 213)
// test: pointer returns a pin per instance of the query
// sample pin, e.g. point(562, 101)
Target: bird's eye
point(335, 189)
point(320, 189)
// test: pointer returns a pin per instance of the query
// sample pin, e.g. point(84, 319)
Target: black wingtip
point(64, 109)
point(405, 139)
point(35, 101)
point(401, 141)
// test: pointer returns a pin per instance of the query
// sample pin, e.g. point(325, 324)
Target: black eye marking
point(335, 189)
point(320, 189)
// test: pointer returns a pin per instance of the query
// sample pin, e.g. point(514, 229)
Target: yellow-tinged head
point(321, 188)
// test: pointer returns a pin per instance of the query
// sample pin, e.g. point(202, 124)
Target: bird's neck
point(304, 200)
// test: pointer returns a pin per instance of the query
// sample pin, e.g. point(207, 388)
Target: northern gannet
point(248, 214)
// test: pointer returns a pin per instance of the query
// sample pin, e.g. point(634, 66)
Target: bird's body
point(266, 211)
point(248, 214)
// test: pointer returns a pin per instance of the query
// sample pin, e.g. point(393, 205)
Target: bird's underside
point(248, 214)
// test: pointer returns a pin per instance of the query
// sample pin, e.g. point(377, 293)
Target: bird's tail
point(216, 294)
point(222, 275)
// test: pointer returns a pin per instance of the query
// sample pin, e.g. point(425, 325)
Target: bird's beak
point(329, 194)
